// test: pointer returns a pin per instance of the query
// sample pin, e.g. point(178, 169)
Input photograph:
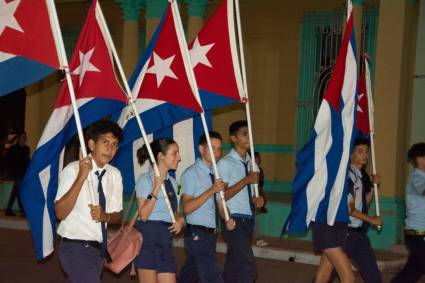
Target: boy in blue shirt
point(415, 218)
point(234, 168)
point(201, 202)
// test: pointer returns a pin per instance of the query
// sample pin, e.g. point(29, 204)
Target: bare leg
point(166, 277)
point(146, 275)
point(325, 270)
point(335, 257)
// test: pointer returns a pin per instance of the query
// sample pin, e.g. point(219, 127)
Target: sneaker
point(261, 243)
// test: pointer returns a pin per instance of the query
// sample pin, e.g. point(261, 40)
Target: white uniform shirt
point(356, 193)
point(78, 224)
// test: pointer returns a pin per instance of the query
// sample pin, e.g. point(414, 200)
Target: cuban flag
point(364, 104)
point(214, 58)
point(319, 189)
point(164, 96)
point(27, 45)
point(98, 94)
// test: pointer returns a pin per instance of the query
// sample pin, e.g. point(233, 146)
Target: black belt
point(93, 244)
point(414, 232)
point(356, 229)
point(201, 228)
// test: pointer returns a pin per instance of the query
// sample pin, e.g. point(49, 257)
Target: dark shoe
point(9, 212)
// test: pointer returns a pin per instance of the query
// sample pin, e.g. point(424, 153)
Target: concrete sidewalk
point(290, 250)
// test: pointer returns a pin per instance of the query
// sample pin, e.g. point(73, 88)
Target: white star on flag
point(85, 65)
point(198, 53)
point(7, 18)
point(161, 68)
point(359, 109)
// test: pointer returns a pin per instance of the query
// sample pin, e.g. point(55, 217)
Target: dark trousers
point(415, 266)
point(360, 252)
point(201, 262)
point(14, 194)
point(82, 263)
point(239, 265)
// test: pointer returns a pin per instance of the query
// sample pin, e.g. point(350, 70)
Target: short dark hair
point(158, 146)
point(256, 154)
point(235, 126)
point(415, 151)
point(361, 141)
point(102, 127)
point(213, 135)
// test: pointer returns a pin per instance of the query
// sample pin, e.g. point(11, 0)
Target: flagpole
point(372, 134)
point(245, 85)
point(60, 48)
point(197, 96)
point(134, 109)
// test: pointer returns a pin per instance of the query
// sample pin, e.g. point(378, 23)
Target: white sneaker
point(261, 243)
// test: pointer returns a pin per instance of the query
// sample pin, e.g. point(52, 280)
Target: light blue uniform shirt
point(144, 186)
point(415, 201)
point(232, 170)
point(195, 181)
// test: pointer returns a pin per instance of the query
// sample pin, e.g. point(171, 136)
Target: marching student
point(357, 244)
point(156, 262)
point(240, 263)
point(414, 233)
point(83, 226)
point(201, 200)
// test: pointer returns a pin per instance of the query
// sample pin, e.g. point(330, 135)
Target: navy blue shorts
point(156, 252)
point(327, 237)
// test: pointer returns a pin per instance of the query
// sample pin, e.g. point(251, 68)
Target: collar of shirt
point(96, 168)
point(420, 172)
point(235, 155)
point(356, 171)
point(203, 167)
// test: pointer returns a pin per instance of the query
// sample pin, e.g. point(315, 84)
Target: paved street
point(18, 264)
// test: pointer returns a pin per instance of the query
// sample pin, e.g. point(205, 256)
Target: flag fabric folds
point(319, 189)
point(98, 94)
point(214, 58)
point(27, 44)
point(160, 84)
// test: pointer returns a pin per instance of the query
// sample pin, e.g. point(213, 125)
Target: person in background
point(260, 242)
point(17, 159)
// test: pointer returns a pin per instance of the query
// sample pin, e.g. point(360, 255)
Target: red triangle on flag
point(362, 113)
point(26, 31)
point(166, 75)
point(214, 55)
point(91, 65)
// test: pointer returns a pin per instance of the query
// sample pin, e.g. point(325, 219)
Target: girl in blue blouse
point(156, 262)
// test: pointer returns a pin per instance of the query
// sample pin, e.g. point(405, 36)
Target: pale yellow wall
point(393, 88)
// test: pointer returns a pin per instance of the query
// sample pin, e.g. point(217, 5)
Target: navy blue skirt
point(156, 252)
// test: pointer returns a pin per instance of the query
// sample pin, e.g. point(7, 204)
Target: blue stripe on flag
point(18, 72)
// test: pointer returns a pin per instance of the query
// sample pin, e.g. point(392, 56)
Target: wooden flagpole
point(132, 103)
point(245, 85)
point(60, 47)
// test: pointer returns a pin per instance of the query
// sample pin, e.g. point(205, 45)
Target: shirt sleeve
point(144, 186)
point(225, 170)
point(188, 183)
point(418, 184)
point(66, 179)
